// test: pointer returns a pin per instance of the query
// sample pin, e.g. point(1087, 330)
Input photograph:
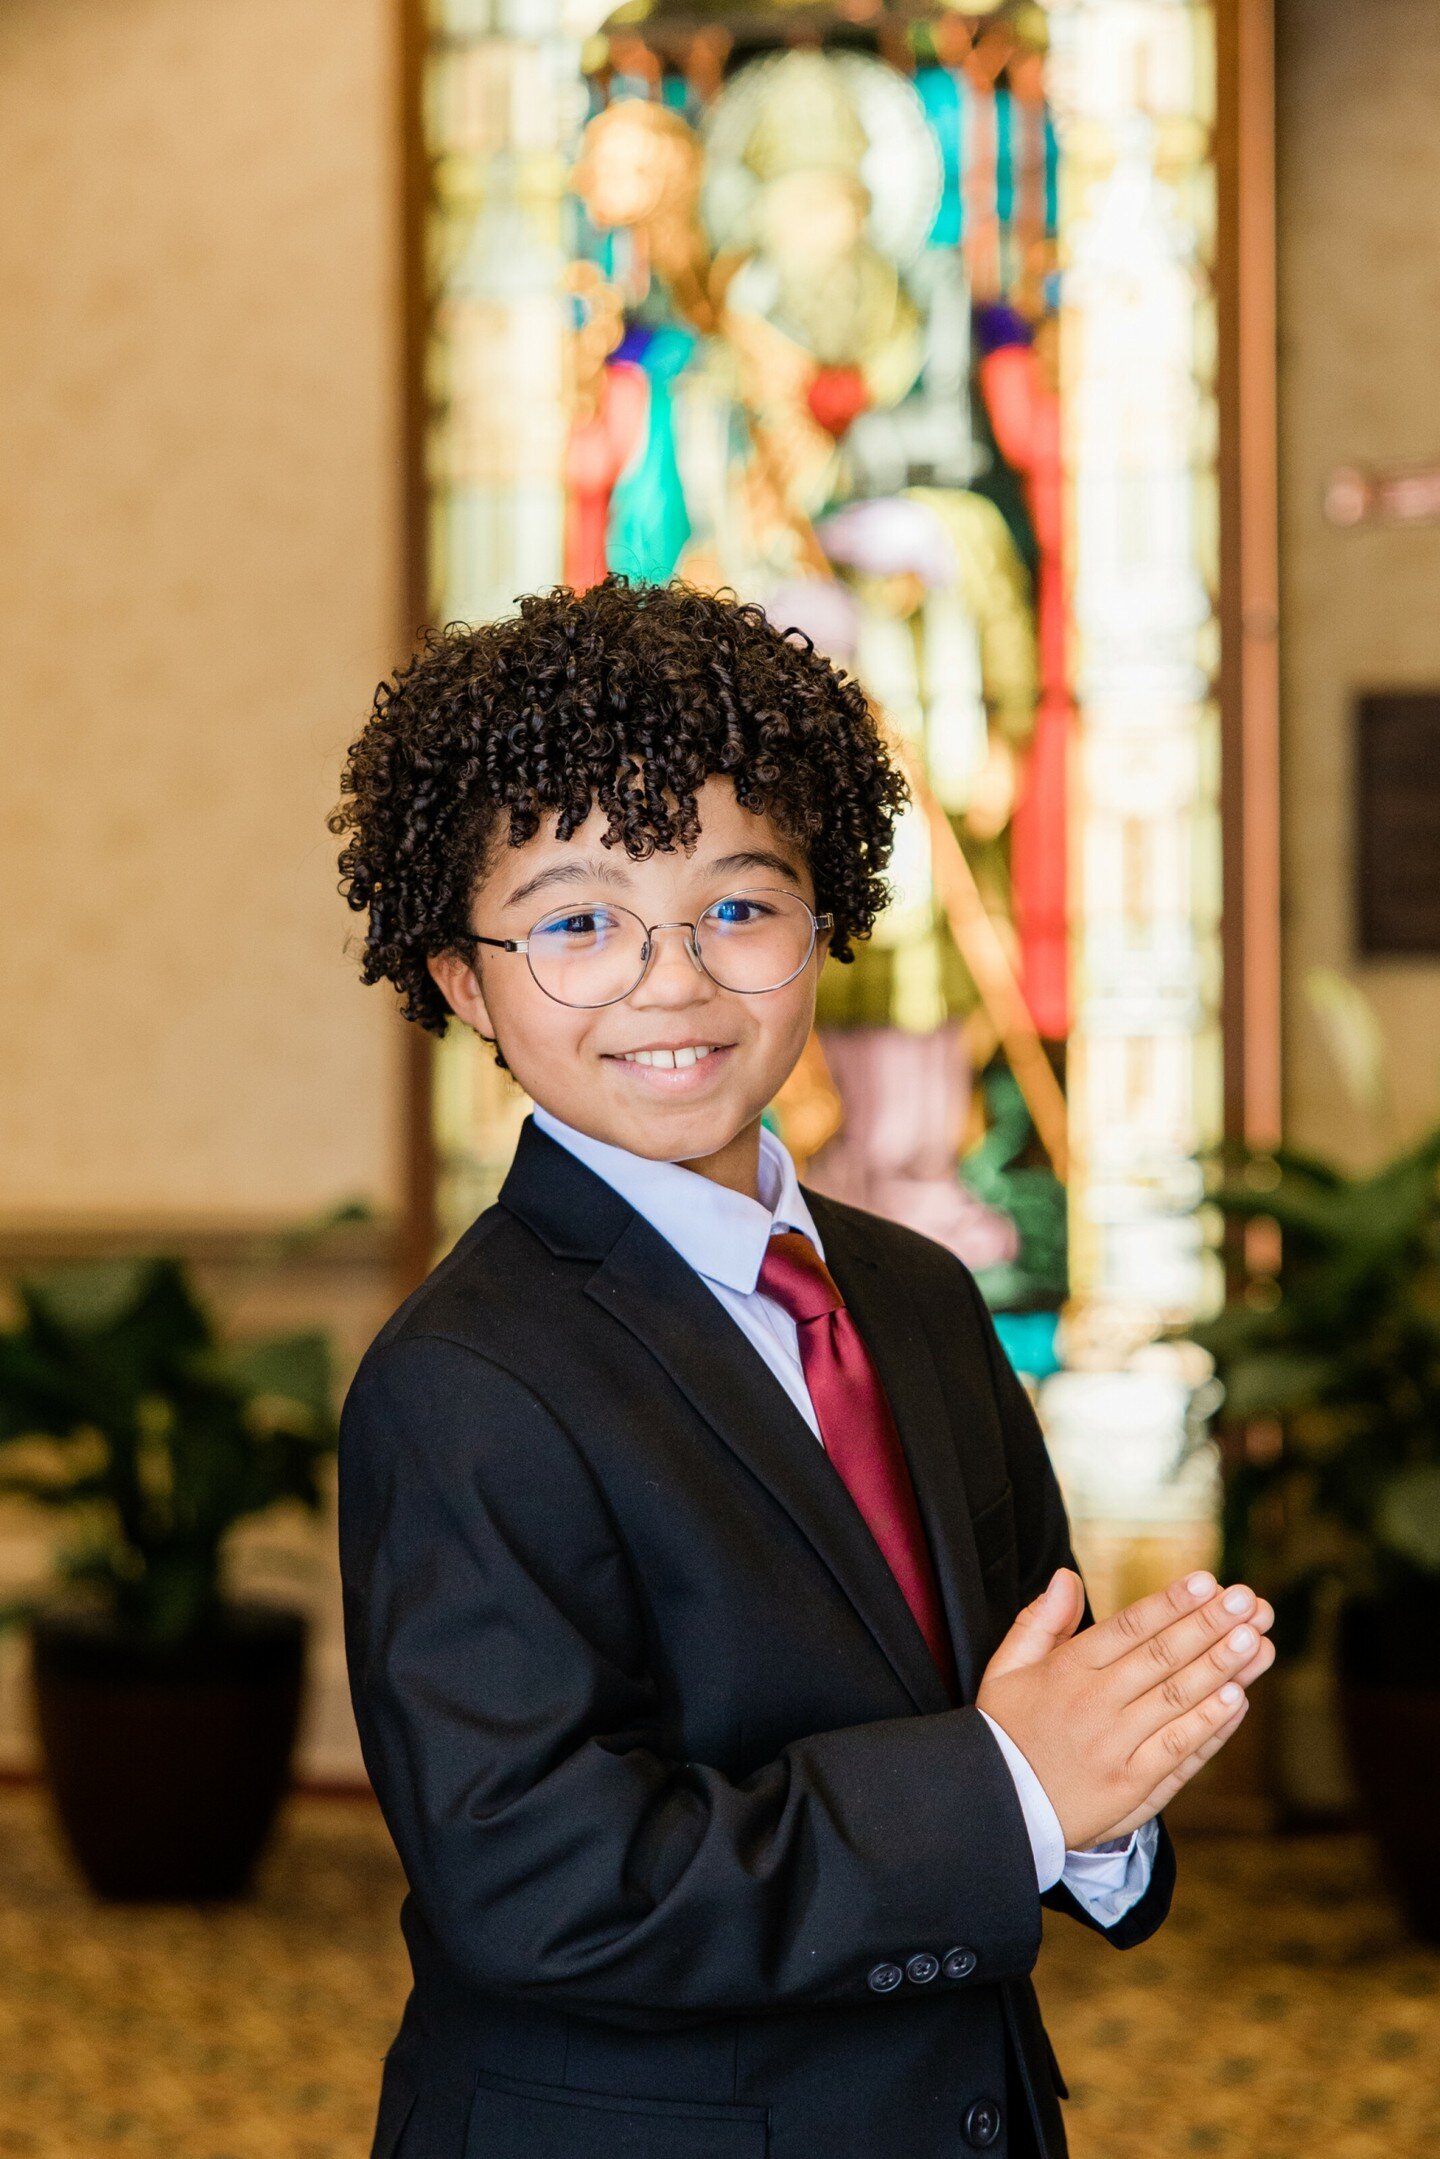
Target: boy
point(714, 1635)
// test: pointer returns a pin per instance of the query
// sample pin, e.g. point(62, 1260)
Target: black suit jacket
point(675, 1782)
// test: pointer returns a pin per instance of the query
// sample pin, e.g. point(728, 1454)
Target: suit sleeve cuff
point(1042, 1823)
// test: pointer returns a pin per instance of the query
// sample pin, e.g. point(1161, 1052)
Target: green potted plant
point(166, 1707)
point(1334, 1345)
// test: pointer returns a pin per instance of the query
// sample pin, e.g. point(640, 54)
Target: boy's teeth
point(669, 1059)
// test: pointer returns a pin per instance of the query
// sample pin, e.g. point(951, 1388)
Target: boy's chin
point(664, 1116)
point(676, 1133)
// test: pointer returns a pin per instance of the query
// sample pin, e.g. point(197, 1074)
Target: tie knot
point(795, 1275)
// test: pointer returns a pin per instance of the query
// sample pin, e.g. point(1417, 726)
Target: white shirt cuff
point(1112, 1877)
point(1107, 1880)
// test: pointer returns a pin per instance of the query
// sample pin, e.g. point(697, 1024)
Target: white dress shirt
point(724, 1237)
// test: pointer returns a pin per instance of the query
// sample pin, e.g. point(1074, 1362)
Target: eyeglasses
point(599, 953)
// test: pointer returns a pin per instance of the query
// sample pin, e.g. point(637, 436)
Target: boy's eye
point(738, 913)
point(587, 925)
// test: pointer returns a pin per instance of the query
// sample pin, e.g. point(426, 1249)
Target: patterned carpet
point(1281, 2013)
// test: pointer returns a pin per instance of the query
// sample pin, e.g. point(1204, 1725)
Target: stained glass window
point(900, 321)
point(1134, 83)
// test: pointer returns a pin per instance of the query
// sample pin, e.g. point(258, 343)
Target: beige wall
point(198, 593)
point(1359, 383)
point(199, 589)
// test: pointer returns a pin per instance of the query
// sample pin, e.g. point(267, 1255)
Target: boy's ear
point(459, 984)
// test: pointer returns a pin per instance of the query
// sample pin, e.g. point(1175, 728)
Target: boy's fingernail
point(1230, 1693)
point(1201, 1585)
point(1242, 1639)
point(1237, 1600)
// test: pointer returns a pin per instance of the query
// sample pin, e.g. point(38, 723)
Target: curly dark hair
point(630, 696)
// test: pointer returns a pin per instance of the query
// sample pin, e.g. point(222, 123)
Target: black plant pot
point(168, 1765)
point(1389, 1663)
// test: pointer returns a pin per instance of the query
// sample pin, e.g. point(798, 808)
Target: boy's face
point(573, 1060)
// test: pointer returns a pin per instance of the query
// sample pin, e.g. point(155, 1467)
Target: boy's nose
point(674, 975)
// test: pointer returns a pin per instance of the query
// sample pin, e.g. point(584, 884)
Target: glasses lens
point(587, 955)
point(755, 940)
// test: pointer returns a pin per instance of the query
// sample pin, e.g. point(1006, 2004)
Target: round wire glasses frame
point(591, 940)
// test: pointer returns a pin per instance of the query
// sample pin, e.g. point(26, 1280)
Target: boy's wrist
point(1042, 1823)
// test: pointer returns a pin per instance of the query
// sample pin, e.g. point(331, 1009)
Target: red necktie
point(857, 1427)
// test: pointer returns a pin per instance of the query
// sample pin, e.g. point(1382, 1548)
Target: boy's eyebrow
point(568, 873)
point(754, 858)
point(591, 869)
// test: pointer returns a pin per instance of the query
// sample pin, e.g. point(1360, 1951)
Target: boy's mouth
point(673, 1068)
point(676, 1058)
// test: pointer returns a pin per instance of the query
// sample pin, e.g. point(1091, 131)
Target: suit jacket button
point(922, 1967)
point(884, 1978)
point(982, 2124)
point(959, 1963)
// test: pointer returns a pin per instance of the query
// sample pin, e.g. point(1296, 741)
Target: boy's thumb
point(1043, 1625)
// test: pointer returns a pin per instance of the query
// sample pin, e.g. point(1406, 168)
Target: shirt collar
point(720, 1233)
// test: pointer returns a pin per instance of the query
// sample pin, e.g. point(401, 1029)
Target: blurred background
point(1069, 373)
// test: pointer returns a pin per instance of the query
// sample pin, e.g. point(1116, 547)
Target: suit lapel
point(890, 1328)
point(667, 1307)
point(644, 1284)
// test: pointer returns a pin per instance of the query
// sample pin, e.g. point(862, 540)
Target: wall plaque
point(1397, 852)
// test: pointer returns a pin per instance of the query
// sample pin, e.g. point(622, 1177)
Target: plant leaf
point(292, 1368)
point(1269, 1382)
point(1407, 1516)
